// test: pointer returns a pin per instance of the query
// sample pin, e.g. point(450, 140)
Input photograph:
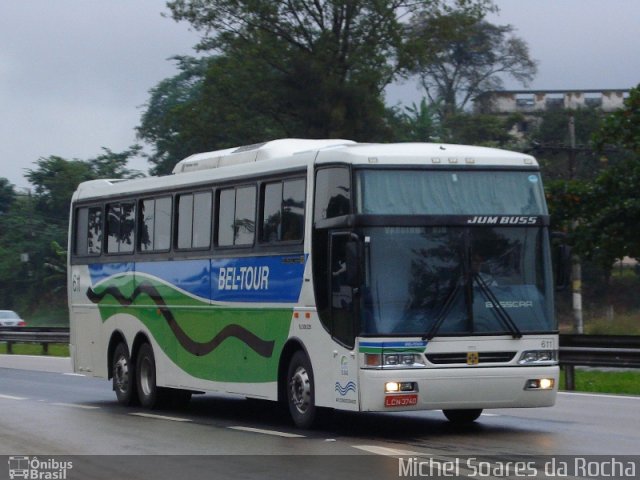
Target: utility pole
point(576, 266)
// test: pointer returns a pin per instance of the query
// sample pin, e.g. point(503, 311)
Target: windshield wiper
point(444, 311)
point(502, 314)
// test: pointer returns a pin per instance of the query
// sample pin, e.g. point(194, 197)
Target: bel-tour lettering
point(243, 278)
point(502, 220)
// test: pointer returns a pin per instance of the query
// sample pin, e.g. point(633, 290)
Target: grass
point(55, 350)
point(617, 382)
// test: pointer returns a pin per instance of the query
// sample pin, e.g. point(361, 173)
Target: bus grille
point(461, 357)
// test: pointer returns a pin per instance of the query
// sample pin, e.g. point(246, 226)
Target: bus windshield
point(449, 192)
point(431, 281)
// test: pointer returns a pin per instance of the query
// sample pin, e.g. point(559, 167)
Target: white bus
point(320, 273)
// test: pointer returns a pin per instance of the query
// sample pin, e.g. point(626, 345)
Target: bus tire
point(123, 375)
point(301, 391)
point(148, 391)
point(462, 417)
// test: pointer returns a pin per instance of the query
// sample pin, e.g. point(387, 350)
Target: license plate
point(400, 400)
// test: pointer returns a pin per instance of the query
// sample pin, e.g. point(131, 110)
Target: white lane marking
point(587, 394)
point(75, 374)
point(491, 415)
point(11, 397)
point(389, 452)
point(160, 417)
point(267, 432)
point(76, 405)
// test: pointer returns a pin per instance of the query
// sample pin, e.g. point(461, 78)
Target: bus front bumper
point(458, 388)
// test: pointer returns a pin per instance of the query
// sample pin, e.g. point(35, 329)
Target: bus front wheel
point(462, 417)
point(123, 375)
point(300, 391)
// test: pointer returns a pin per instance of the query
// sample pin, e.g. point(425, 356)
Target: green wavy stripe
point(231, 360)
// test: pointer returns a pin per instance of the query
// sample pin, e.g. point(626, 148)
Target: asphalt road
point(55, 414)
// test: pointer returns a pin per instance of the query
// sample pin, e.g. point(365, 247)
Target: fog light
point(539, 384)
point(391, 387)
point(546, 383)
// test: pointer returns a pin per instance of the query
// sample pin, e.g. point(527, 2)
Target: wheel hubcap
point(300, 388)
point(146, 377)
point(121, 374)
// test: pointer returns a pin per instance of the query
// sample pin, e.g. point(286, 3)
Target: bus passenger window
point(283, 211)
point(94, 234)
point(155, 224)
point(194, 220)
point(82, 228)
point(120, 227)
point(237, 216)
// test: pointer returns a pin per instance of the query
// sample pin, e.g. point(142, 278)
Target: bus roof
point(288, 154)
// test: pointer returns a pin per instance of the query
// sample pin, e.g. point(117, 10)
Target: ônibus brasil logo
point(33, 468)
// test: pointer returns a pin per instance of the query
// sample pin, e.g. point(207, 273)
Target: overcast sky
point(74, 74)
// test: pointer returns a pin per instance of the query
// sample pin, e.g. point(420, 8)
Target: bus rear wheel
point(300, 391)
point(123, 375)
point(148, 391)
point(462, 417)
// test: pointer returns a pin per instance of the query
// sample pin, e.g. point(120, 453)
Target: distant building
point(537, 101)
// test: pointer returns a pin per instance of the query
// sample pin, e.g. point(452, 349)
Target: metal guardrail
point(614, 351)
point(42, 335)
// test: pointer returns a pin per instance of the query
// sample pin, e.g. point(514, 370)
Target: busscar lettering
point(243, 278)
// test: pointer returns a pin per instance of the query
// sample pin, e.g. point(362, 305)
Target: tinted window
point(94, 235)
point(155, 224)
point(194, 220)
point(82, 227)
point(333, 193)
point(226, 217)
point(236, 216)
point(283, 211)
point(245, 221)
point(202, 220)
point(162, 236)
point(120, 227)
point(271, 213)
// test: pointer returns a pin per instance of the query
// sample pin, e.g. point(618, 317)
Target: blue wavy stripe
point(269, 279)
point(349, 387)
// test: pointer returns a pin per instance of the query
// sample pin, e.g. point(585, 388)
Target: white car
point(9, 318)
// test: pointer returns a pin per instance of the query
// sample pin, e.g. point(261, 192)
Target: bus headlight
point(539, 357)
point(393, 360)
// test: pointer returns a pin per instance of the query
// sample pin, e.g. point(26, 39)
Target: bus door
point(344, 298)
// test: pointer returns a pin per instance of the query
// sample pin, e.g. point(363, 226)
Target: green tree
point(606, 206)
point(300, 68)
point(415, 123)
point(622, 128)
point(7, 195)
point(457, 55)
point(56, 178)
